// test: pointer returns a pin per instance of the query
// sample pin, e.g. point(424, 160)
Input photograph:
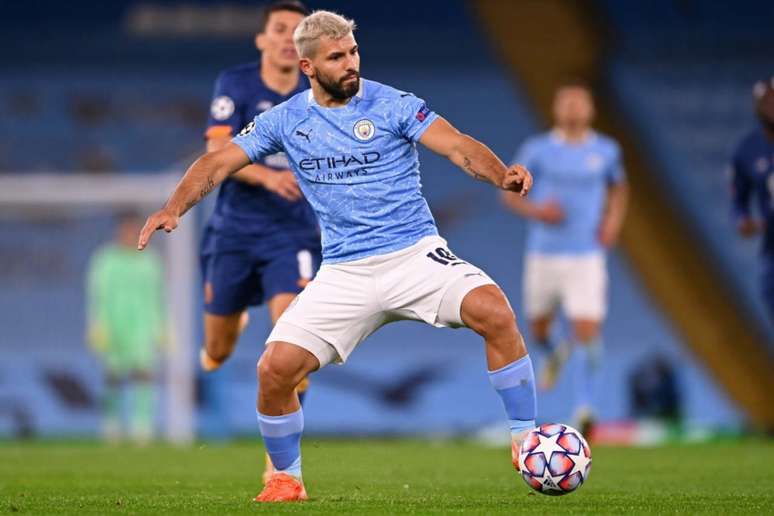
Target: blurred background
point(103, 106)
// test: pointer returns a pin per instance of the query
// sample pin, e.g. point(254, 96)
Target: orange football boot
point(282, 487)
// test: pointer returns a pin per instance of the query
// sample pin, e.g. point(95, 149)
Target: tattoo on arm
point(467, 165)
point(207, 188)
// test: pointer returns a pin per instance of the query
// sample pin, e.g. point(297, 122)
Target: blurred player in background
point(353, 146)
point(576, 212)
point(752, 182)
point(126, 325)
point(262, 243)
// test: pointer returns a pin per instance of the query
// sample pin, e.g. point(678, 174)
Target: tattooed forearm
point(467, 165)
point(207, 188)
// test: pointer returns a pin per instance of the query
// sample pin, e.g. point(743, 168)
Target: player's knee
point(275, 374)
point(499, 320)
point(220, 346)
point(586, 331)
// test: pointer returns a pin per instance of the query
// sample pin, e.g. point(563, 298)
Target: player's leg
point(336, 307)
point(486, 311)
point(541, 294)
point(280, 416)
point(587, 365)
point(221, 333)
point(283, 277)
point(585, 301)
point(277, 306)
point(231, 284)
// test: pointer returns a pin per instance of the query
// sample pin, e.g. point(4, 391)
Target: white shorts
point(576, 283)
point(347, 302)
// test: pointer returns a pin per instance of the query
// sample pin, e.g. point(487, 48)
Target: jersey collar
point(558, 137)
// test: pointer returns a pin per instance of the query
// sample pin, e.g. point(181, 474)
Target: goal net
point(50, 381)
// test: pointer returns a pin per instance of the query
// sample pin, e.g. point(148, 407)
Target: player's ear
point(259, 41)
point(306, 66)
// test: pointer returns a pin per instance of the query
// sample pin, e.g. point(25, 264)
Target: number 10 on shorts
point(444, 257)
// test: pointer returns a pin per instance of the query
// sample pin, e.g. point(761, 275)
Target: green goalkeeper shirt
point(125, 305)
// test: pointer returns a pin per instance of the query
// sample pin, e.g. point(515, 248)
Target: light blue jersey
point(357, 165)
point(575, 175)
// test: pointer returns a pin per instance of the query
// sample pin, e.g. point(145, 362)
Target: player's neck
point(325, 99)
point(280, 80)
point(573, 134)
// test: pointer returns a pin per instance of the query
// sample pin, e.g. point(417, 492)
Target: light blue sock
point(586, 373)
point(515, 383)
point(282, 437)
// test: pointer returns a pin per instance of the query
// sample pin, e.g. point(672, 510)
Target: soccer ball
point(554, 459)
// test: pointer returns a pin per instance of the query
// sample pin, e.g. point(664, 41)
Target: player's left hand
point(517, 179)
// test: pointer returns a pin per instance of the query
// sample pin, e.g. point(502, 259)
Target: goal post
point(48, 197)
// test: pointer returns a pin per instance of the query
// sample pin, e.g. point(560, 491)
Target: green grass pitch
point(379, 477)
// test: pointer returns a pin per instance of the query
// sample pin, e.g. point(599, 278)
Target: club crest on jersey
point(222, 107)
point(364, 130)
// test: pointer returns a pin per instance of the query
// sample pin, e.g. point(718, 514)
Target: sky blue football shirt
point(576, 175)
point(357, 165)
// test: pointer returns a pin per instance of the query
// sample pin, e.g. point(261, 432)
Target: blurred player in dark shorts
point(752, 182)
point(262, 243)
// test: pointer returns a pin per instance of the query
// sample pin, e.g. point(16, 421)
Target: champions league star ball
point(554, 459)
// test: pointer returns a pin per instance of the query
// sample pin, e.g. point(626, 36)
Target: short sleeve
point(262, 136)
point(226, 116)
point(413, 117)
point(615, 169)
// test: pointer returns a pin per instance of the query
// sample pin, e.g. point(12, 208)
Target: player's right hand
point(283, 183)
point(550, 212)
point(162, 219)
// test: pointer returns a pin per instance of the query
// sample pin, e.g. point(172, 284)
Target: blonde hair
point(318, 24)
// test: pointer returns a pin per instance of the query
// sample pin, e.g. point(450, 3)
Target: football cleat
point(282, 487)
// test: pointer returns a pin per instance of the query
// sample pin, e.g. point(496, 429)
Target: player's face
point(336, 66)
point(574, 107)
point(276, 42)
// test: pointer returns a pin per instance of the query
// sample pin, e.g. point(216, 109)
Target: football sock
point(515, 383)
point(586, 372)
point(282, 437)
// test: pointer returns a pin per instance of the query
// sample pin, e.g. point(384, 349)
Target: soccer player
point(352, 146)
point(576, 212)
point(752, 181)
point(262, 243)
point(126, 325)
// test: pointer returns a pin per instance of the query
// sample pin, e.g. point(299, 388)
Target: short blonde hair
point(318, 24)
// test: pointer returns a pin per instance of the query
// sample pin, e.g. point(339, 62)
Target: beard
point(337, 89)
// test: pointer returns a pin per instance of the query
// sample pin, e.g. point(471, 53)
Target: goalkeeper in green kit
point(126, 326)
